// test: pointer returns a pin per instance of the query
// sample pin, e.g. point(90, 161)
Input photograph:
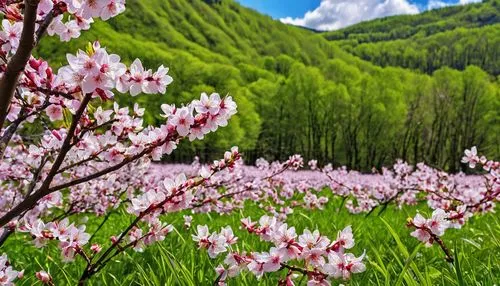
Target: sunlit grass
point(393, 256)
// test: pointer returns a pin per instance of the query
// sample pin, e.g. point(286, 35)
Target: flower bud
point(44, 277)
point(96, 248)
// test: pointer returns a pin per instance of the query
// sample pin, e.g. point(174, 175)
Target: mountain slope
point(296, 91)
point(426, 23)
point(457, 49)
point(453, 36)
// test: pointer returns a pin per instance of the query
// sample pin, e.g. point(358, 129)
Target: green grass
point(393, 256)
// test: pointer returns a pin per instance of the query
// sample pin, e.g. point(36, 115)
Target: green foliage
point(456, 48)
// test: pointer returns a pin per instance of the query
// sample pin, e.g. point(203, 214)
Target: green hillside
point(296, 91)
point(455, 36)
point(426, 23)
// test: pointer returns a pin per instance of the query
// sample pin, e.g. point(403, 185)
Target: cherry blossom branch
point(57, 10)
point(296, 269)
point(433, 238)
point(310, 249)
point(93, 268)
point(115, 248)
point(31, 200)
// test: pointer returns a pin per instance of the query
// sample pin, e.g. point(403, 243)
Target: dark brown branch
point(8, 133)
point(296, 269)
point(10, 2)
point(16, 65)
point(46, 23)
point(445, 249)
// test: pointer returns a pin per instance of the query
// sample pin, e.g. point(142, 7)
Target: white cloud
point(465, 2)
point(336, 14)
point(435, 4)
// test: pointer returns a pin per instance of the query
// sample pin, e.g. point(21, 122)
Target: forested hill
point(455, 36)
point(296, 91)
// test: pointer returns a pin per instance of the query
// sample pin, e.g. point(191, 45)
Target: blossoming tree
point(85, 140)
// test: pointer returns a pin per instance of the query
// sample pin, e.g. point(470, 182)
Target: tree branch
point(31, 200)
point(17, 63)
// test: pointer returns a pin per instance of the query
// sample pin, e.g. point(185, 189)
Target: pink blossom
point(471, 157)
point(207, 104)
point(423, 236)
point(273, 260)
point(183, 119)
point(7, 272)
point(344, 240)
point(55, 112)
point(11, 34)
point(343, 265)
point(227, 233)
point(159, 81)
point(102, 116)
point(96, 248)
point(438, 223)
point(217, 245)
point(112, 8)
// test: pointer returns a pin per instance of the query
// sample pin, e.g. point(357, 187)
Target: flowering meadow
point(85, 199)
point(272, 223)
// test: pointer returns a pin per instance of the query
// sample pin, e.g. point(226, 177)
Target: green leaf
point(407, 264)
point(402, 248)
point(458, 270)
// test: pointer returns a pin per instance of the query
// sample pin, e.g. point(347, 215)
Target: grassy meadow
point(393, 256)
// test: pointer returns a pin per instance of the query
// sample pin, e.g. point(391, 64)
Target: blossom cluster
point(102, 138)
point(7, 273)
point(472, 159)
point(175, 194)
point(71, 238)
point(94, 72)
point(227, 184)
point(147, 203)
point(98, 73)
point(64, 18)
point(453, 209)
point(324, 259)
point(279, 190)
point(427, 229)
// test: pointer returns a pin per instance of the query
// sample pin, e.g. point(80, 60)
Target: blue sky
point(282, 8)
point(335, 14)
